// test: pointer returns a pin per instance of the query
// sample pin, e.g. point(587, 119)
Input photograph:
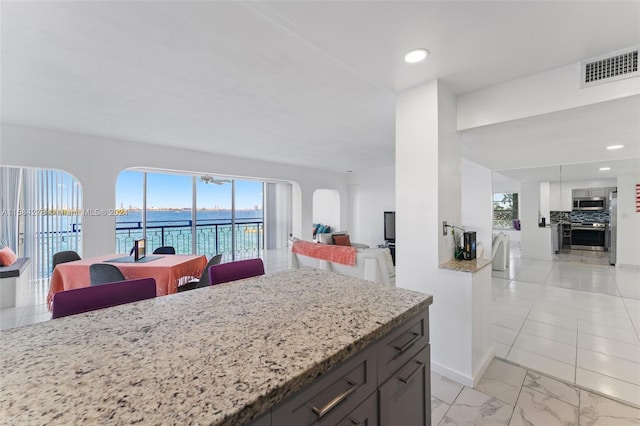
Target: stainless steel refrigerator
point(613, 225)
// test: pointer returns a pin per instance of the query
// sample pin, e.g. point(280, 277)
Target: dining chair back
point(165, 250)
point(204, 277)
point(64, 257)
point(238, 270)
point(85, 299)
point(103, 273)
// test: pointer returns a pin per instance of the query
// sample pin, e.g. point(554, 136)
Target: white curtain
point(10, 188)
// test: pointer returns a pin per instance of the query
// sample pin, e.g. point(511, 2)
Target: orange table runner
point(345, 255)
point(168, 271)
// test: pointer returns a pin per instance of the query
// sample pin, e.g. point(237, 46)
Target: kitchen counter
point(217, 355)
point(466, 265)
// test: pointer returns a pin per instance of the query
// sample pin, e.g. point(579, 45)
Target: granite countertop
point(466, 265)
point(219, 355)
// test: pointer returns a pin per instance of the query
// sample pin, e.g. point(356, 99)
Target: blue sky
point(174, 191)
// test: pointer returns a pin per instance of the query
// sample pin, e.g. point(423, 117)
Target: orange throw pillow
point(341, 240)
point(7, 257)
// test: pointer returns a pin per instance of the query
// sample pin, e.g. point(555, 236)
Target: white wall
point(326, 209)
point(536, 241)
point(96, 162)
point(540, 93)
point(371, 193)
point(477, 206)
point(628, 249)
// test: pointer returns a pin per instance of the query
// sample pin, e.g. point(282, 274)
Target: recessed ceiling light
point(615, 146)
point(416, 56)
point(604, 169)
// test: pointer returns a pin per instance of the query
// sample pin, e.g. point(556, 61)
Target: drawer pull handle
point(355, 422)
point(320, 412)
point(413, 373)
point(407, 345)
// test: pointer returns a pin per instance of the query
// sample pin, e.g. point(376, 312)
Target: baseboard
point(465, 379)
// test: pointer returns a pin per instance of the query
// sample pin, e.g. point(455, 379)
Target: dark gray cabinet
point(386, 383)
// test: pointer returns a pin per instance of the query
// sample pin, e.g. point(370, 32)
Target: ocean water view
point(213, 231)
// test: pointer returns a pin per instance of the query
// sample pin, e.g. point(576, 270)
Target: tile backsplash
point(579, 216)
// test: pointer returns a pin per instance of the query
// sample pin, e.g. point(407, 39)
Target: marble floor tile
point(627, 351)
point(501, 350)
point(554, 388)
point(473, 407)
point(560, 310)
point(596, 410)
point(548, 331)
point(606, 318)
point(546, 347)
point(503, 335)
point(609, 366)
point(506, 308)
point(438, 410)
point(607, 385)
point(445, 389)
point(553, 319)
point(543, 364)
point(611, 333)
point(502, 380)
point(508, 321)
point(536, 408)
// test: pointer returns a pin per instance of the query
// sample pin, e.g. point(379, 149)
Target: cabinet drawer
point(405, 399)
point(365, 415)
point(334, 395)
point(402, 344)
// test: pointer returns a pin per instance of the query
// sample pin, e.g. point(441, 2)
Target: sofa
point(371, 264)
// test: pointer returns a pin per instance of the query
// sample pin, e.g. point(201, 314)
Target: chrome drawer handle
point(413, 373)
point(416, 337)
point(335, 401)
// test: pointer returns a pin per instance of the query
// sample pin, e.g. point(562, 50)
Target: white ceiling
point(298, 82)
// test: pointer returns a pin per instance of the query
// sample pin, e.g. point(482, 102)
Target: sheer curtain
point(10, 188)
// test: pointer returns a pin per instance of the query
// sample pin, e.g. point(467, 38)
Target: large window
point(505, 210)
point(195, 214)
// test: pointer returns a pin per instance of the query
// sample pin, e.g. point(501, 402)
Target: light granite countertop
point(466, 265)
point(219, 355)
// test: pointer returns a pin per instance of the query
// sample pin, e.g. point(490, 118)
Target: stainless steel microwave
point(590, 204)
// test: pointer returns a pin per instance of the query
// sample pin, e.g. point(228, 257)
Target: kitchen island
point(225, 354)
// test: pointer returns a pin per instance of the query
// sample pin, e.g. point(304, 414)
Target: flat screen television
point(139, 249)
point(390, 226)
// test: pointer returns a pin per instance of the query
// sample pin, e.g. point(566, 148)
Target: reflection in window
point(505, 210)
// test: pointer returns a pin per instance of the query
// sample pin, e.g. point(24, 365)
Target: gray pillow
point(325, 238)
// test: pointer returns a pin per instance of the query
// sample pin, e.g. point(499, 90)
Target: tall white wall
point(540, 93)
point(536, 242)
point(96, 162)
point(628, 249)
point(477, 206)
point(326, 208)
point(371, 193)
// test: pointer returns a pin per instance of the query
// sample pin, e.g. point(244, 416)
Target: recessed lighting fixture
point(604, 169)
point(615, 147)
point(416, 55)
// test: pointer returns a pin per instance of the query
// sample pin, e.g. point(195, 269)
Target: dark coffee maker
point(469, 247)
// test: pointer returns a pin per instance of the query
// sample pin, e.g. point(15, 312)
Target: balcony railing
point(212, 237)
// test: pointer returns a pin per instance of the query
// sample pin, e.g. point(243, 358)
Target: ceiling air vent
point(613, 67)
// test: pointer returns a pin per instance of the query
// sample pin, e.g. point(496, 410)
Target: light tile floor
point(575, 318)
point(511, 395)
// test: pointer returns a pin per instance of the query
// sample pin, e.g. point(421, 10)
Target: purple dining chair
point(238, 270)
point(85, 299)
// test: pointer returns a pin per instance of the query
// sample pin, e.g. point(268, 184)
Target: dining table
point(169, 271)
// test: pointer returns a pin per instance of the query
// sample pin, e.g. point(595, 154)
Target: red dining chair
point(233, 271)
point(85, 299)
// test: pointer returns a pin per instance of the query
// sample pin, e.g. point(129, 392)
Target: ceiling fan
point(211, 179)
